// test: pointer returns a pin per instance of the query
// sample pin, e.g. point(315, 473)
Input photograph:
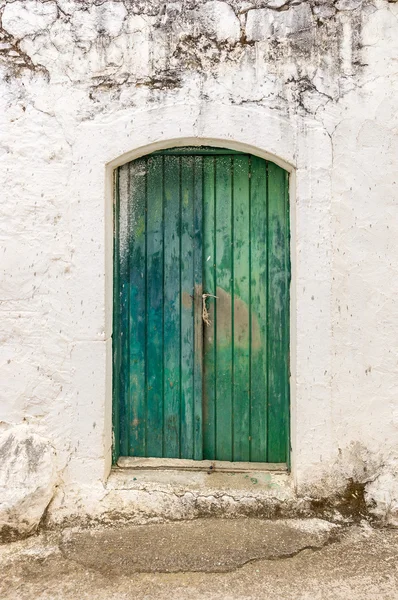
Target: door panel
point(192, 380)
point(241, 317)
point(222, 304)
point(172, 365)
point(278, 313)
point(154, 310)
point(187, 306)
point(209, 331)
point(258, 284)
point(197, 308)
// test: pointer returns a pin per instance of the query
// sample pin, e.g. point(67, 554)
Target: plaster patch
point(348, 4)
point(219, 20)
point(27, 481)
point(263, 24)
point(382, 495)
point(324, 11)
point(104, 19)
point(276, 3)
point(28, 17)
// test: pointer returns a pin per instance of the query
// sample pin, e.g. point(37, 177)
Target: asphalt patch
point(210, 545)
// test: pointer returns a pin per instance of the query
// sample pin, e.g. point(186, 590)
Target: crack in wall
point(175, 27)
point(12, 55)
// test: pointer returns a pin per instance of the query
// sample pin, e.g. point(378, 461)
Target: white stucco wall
point(312, 85)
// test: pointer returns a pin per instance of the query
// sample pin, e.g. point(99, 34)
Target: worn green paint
point(154, 307)
point(209, 332)
point(116, 335)
point(192, 221)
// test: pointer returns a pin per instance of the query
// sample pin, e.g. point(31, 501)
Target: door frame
point(217, 147)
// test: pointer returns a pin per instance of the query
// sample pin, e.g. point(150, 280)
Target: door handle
point(205, 312)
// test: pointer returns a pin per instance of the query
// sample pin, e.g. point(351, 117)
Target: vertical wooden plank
point(198, 321)
point(241, 309)
point(137, 325)
point(278, 307)
point(154, 308)
point(209, 287)
point(172, 307)
point(124, 304)
point(116, 350)
point(187, 308)
point(286, 358)
point(258, 292)
point(225, 309)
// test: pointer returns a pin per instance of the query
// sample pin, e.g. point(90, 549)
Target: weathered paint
point(206, 231)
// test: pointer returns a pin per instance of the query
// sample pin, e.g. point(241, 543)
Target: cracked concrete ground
point(206, 558)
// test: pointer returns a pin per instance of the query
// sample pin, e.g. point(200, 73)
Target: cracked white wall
point(313, 84)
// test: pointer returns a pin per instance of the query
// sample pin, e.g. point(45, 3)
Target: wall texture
point(87, 85)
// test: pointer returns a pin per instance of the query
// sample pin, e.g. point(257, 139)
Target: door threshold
point(182, 464)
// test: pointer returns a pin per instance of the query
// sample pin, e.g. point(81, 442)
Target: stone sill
point(253, 482)
point(127, 462)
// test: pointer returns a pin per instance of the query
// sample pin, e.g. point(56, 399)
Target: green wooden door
point(201, 307)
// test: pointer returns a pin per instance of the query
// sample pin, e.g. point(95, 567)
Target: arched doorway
point(201, 307)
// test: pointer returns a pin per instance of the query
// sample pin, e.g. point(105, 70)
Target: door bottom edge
point(208, 466)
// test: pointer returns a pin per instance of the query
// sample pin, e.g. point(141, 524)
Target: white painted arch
point(198, 141)
point(106, 143)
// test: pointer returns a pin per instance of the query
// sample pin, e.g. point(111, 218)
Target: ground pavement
point(245, 558)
